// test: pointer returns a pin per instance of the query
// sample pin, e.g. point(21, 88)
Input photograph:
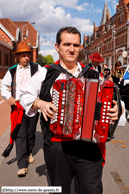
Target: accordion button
point(104, 110)
point(106, 121)
point(103, 117)
point(109, 103)
point(104, 106)
point(108, 106)
point(102, 121)
point(107, 117)
point(104, 113)
point(105, 102)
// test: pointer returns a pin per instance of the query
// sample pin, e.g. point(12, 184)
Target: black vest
point(33, 67)
point(99, 67)
point(45, 95)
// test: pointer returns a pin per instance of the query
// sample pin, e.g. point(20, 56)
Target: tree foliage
point(45, 60)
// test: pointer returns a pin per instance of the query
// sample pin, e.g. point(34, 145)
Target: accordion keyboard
point(56, 104)
point(105, 118)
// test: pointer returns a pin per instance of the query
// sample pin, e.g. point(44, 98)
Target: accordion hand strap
point(117, 98)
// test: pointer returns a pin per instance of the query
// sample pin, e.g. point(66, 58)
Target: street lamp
point(23, 28)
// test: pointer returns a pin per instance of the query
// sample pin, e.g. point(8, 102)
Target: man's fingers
point(53, 108)
point(48, 110)
point(113, 112)
point(114, 102)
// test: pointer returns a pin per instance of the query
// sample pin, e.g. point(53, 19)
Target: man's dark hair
point(70, 30)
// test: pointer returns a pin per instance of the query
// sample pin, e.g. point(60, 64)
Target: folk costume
point(22, 127)
point(65, 158)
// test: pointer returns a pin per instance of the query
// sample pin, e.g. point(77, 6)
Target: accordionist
point(64, 157)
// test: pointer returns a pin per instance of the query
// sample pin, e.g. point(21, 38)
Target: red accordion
point(82, 105)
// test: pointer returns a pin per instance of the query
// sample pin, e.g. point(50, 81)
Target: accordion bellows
point(75, 100)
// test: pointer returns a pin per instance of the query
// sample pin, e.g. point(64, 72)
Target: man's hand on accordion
point(113, 112)
point(47, 108)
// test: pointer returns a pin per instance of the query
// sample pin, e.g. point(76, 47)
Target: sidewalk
point(37, 173)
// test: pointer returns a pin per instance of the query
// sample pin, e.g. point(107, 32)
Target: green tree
point(49, 59)
point(45, 60)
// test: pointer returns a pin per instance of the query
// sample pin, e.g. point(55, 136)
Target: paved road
point(115, 174)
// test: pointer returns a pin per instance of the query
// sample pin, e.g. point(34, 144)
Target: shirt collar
point(95, 68)
point(19, 66)
point(78, 70)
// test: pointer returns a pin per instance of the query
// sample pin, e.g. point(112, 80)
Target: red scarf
point(16, 118)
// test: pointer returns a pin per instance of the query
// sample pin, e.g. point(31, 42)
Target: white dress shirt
point(22, 76)
point(31, 90)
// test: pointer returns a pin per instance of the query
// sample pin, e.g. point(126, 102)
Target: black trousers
point(25, 140)
point(78, 159)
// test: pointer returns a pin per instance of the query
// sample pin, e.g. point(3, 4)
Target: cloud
point(48, 43)
point(49, 16)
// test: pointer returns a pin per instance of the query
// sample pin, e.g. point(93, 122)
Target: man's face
point(69, 47)
point(24, 59)
point(95, 63)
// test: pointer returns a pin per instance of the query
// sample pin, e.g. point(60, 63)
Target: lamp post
point(23, 28)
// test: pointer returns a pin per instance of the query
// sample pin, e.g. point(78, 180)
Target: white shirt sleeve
point(31, 90)
point(126, 81)
point(5, 86)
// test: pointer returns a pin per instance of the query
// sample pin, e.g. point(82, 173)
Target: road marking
point(2, 101)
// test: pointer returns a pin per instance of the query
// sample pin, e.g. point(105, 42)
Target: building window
point(107, 62)
point(6, 59)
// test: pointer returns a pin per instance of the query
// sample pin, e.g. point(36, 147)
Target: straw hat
point(23, 47)
point(96, 57)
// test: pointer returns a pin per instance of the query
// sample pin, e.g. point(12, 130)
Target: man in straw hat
point(22, 127)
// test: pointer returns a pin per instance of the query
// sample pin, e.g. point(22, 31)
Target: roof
point(104, 16)
point(10, 26)
point(32, 37)
point(4, 42)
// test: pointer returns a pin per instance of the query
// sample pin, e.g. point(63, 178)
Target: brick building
point(10, 35)
point(110, 38)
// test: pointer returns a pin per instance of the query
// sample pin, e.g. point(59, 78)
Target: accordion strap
point(84, 70)
point(62, 70)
